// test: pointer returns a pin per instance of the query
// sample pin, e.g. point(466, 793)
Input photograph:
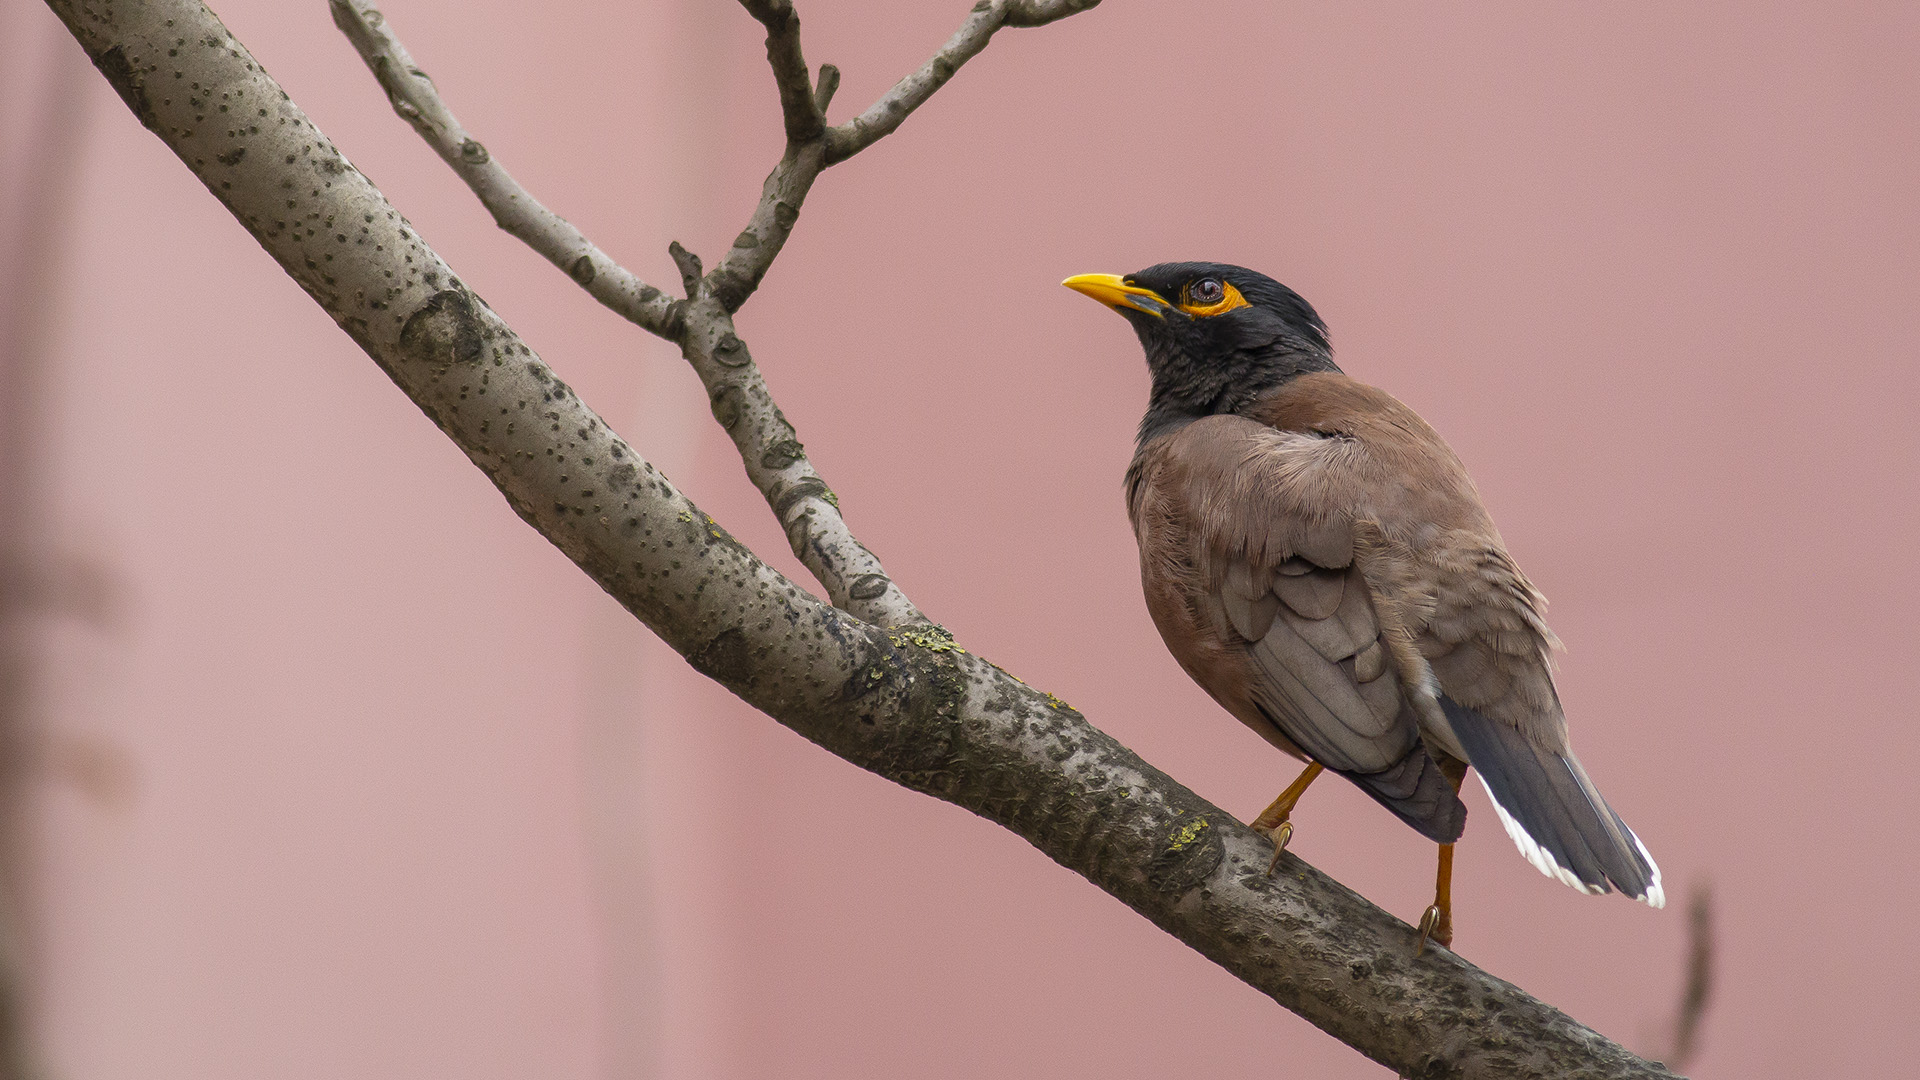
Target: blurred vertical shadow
point(1676, 1041)
point(1697, 991)
point(42, 166)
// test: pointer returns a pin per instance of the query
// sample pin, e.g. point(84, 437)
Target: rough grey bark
point(905, 701)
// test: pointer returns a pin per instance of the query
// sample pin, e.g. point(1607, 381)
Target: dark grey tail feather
point(1417, 792)
point(1553, 812)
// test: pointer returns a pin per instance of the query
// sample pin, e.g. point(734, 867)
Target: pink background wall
point(408, 797)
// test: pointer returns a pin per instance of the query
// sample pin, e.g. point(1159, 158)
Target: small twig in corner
point(1697, 992)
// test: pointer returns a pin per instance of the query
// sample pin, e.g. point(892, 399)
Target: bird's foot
point(1436, 926)
point(1280, 834)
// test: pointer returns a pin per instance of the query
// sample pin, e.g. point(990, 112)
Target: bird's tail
point(1553, 812)
point(1417, 792)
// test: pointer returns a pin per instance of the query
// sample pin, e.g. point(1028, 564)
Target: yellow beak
point(1113, 291)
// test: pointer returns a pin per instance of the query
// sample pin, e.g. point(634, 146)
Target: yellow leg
point(1437, 923)
point(1274, 822)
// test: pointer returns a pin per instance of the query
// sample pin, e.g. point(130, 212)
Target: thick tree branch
point(413, 96)
point(907, 704)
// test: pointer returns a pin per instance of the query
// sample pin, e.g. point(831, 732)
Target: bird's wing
point(1468, 634)
point(1478, 623)
point(1487, 646)
point(1257, 524)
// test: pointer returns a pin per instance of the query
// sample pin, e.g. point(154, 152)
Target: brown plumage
point(1317, 559)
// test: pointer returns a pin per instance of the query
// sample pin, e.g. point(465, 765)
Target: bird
point(1316, 557)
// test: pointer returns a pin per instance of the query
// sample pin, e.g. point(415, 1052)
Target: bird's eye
point(1208, 296)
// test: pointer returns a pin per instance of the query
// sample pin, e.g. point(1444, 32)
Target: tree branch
point(907, 704)
point(739, 273)
point(893, 108)
point(689, 266)
point(781, 195)
point(778, 465)
point(769, 447)
point(413, 96)
point(804, 117)
point(829, 85)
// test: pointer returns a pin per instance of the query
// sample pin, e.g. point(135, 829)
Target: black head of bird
point(1217, 337)
point(1316, 558)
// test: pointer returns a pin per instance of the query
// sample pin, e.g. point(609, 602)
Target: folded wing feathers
point(1322, 696)
point(1250, 607)
point(1369, 663)
point(1314, 595)
point(1341, 633)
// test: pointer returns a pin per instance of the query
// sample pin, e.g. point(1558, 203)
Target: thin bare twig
point(778, 465)
point(413, 96)
point(689, 266)
point(893, 108)
point(805, 119)
point(829, 84)
point(781, 195)
point(785, 190)
point(818, 535)
point(806, 508)
point(817, 532)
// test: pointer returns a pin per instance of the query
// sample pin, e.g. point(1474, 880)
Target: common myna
point(1318, 561)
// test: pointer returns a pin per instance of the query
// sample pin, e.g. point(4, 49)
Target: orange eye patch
point(1229, 300)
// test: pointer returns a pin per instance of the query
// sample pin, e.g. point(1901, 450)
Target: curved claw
point(1436, 924)
point(1281, 834)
